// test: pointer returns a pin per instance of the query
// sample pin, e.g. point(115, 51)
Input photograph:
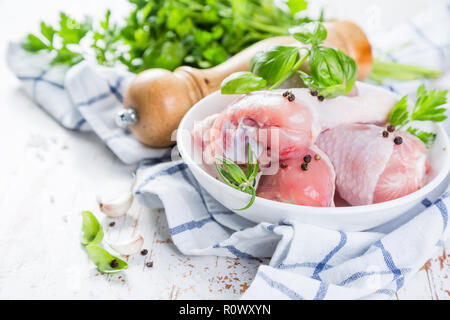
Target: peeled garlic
point(128, 248)
point(117, 207)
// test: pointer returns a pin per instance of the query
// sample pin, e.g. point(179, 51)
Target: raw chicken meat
point(313, 187)
point(365, 104)
point(297, 123)
point(267, 121)
point(370, 168)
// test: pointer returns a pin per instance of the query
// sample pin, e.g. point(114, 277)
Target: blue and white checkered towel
point(307, 262)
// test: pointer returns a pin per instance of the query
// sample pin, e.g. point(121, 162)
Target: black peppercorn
point(321, 98)
point(286, 93)
point(304, 166)
point(385, 134)
point(307, 158)
point(283, 165)
point(144, 252)
point(114, 264)
point(149, 264)
point(390, 128)
point(291, 97)
point(398, 140)
point(112, 224)
point(314, 93)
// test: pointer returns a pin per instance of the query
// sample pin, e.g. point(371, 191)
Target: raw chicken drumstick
point(371, 168)
point(298, 182)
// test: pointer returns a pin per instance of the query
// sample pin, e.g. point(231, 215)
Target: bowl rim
point(431, 185)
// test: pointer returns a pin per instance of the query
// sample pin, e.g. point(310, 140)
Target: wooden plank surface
point(48, 175)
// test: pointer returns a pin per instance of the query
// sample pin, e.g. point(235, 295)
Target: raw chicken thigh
point(312, 187)
point(371, 168)
point(254, 120)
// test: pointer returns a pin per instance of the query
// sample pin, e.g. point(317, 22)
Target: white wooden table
point(48, 175)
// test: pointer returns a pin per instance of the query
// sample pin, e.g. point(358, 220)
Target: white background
point(48, 175)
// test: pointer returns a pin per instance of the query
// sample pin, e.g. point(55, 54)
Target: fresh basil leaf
point(334, 72)
point(33, 44)
point(274, 63)
point(242, 82)
point(427, 104)
point(427, 137)
point(313, 33)
point(92, 231)
point(297, 5)
point(104, 260)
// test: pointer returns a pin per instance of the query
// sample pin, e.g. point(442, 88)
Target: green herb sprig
point(427, 108)
point(236, 178)
point(332, 72)
point(92, 235)
point(168, 33)
point(60, 40)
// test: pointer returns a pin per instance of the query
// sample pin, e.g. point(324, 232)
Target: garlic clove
point(128, 248)
point(117, 207)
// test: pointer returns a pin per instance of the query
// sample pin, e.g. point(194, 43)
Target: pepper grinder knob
point(126, 118)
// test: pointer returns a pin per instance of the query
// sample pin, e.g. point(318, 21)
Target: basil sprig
point(236, 178)
point(332, 72)
point(428, 107)
point(92, 235)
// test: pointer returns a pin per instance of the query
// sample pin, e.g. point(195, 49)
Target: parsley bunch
point(428, 107)
point(169, 33)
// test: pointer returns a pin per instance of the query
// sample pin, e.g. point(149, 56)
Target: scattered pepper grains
point(314, 93)
point(304, 166)
point(385, 134)
point(286, 93)
point(390, 128)
point(317, 157)
point(307, 158)
point(112, 224)
point(291, 97)
point(398, 140)
point(114, 264)
point(144, 252)
point(283, 165)
point(321, 98)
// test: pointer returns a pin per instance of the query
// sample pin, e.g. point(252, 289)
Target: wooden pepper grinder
point(157, 99)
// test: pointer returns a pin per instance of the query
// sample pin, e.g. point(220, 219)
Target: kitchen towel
point(307, 262)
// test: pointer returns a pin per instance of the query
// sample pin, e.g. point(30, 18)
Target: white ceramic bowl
point(340, 218)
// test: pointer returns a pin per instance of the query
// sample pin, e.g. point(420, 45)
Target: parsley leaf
point(427, 137)
point(297, 5)
point(426, 109)
point(427, 104)
point(399, 114)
